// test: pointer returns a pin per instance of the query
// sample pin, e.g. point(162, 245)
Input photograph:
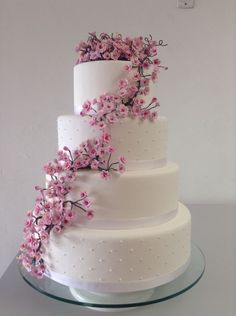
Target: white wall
point(197, 93)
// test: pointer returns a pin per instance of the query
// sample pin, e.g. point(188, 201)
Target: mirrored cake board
point(121, 301)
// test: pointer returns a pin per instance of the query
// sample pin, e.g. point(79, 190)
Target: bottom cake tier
point(120, 260)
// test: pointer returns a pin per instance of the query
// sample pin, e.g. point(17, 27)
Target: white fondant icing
point(145, 264)
point(132, 195)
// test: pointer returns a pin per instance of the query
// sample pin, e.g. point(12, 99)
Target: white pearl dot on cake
point(91, 269)
point(111, 251)
point(120, 279)
point(131, 269)
point(131, 250)
point(110, 270)
point(120, 259)
point(121, 241)
point(100, 279)
point(100, 260)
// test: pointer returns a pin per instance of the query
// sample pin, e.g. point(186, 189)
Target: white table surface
point(214, 230)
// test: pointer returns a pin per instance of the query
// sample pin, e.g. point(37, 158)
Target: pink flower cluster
point(53, 209)
point(138, 50)
point(109, 109)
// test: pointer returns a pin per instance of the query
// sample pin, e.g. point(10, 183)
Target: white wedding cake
point(139, 234)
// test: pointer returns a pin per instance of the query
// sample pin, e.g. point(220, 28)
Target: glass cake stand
point(122, 301)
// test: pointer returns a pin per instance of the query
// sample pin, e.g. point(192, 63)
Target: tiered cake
point(139, 236)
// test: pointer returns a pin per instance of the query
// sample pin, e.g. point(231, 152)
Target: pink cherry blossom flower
point(121, 167)
point(57, 229)
point(156, 61)
point(136, 110)
point(136, 76)
point(101, 152)
point(153, 50)
point(95, 55)
point(123, 92)
point(115, 54)
point(145, 114)
point(138, 43)
point(83, 194)
point(128, 67)
point(110, 149)
point(102, 47)
point(109, 106)
point(123, 83)
point(105, 174)
point(111, 118)
point(90, 214)
point(86, 106)
point(154, 76)
point(122, 110)
point(141, 101)
point(86, 203)
point(107, 55)
point(95, 164)
point(135, 61)
point(145, 82)
point(153, 115)
point(102, 125)
point(49, 169)
point(122, 159)
point(44, 236)
point(106, 138)
point(93, 121)
point(145, 65)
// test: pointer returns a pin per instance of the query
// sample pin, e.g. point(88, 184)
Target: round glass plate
point(116, 301)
